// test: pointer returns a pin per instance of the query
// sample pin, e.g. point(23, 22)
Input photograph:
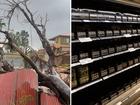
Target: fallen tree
point(53, 81)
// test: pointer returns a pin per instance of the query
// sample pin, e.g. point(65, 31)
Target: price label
point(88, 39)
point(86, 61)
point(75, 64)
point(131, 49)
point(127, 35)
point(86, 20)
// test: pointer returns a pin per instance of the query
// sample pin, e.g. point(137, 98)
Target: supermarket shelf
point(87, 85)
point(116, 73)
point(104, 57)
point(75, 64)
point(133, 92)
point(92, 60)
point(75, 41)
point(107, 38)
point(93, 21)
point(131, 4)
point(108, 5)
point(104, 78)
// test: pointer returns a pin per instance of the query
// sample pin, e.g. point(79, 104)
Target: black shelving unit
point(105, 50)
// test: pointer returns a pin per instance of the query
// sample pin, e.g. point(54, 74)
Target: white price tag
point(86, 20)
point(85, 39)
point(127, 35)
point(86, 61)
point(135, 34)
point(118, 21)
point(107, 21)
point(75, 64)
point(131, 49)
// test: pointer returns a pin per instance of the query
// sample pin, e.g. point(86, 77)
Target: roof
point(62, 35)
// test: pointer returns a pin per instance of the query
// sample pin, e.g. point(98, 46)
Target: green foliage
point(20, 39)
point(2, 24)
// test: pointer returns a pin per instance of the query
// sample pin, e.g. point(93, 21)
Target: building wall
point(61, 45)
point(60, 60)
point(14, 59)
point(62, 40)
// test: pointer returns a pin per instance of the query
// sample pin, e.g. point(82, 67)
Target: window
point(65, 40)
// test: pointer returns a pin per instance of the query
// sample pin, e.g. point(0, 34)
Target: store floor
point(130, 97)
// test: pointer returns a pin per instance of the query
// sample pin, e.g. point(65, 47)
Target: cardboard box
point(119, 67)
point(116, 32)
point(124, 18)
point(74, 79)
point(111, 50)
point(139, 44)
point(138, 19)
point(92, 34)
point(104, 72)
point(101, 33)
point(94, 75)
point(138, 31)
point(129, 31)
point(94, 16)
point(111, 17)
point(134, 31)
point(135, 45)
point(83, 55)
point(123, 32)
point(130, 19)
point(130, 62)
point(83, 74)
point(95, 54)
point(130, 45)
point(119, 48)
point(101, 17)
point(109, 33)
point(73, 36)
point(75, 58)
point(81, 34)
point(124, 47)
point(136, 60)
point(135, 19)
point(111, 70)
point(124, 65)
point(104, 52)
point(80, 15)
point(118, 18)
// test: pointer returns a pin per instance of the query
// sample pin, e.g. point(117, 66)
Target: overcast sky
point(58, 12)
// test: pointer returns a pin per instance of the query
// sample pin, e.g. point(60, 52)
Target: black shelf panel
point(107, 5)
point(106, 38)
point(104, 57)
point(104, 78)
point(106, 89)
point(109, 22)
